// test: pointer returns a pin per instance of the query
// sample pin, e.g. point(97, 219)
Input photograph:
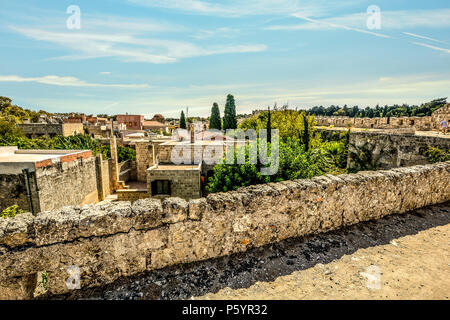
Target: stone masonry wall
point(121, 239)
point(70, 129)
point(416, 123)
point(13, 191)
point(67, 183)
point(394, 150)
point(185, 184)
point(144, 159)
point(35, 130)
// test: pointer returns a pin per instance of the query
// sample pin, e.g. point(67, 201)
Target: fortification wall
point(416, 123)
point(393, 150)
point(121, 239)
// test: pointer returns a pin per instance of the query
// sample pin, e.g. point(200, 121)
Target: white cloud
point(238, 8)
point(328, 24)
point(423, 37)
point(401, 19)
point(431, 47)
point(130, 48)
point(223, 32)
point(105, 73)
point(67, 82)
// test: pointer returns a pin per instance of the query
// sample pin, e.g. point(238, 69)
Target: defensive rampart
point(108, 241)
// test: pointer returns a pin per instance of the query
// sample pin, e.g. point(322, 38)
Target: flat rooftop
point(13, 160)
point(30, 156)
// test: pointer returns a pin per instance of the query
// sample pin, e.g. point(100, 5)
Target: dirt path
point(410, 267)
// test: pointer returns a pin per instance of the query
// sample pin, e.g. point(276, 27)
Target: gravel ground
point(411, 251)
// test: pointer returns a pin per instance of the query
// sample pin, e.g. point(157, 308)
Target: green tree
point(269, 128)
point(230, 120)
point(182, 121)
point(215, 122)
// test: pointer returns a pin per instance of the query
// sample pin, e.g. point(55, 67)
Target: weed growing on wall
point(11, 212)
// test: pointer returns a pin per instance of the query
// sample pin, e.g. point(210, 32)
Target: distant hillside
point(15, 114)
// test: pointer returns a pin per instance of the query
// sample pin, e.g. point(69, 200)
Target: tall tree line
point(404, 110)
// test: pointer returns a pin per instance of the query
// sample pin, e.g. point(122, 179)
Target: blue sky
point(160, 56)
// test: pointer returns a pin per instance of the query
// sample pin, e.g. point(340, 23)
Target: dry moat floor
point(409, 252)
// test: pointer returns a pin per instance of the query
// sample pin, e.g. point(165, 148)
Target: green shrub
point(437, 155)
point(294, 163)
point(11, 212)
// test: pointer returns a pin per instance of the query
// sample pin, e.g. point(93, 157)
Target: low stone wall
point(112, 240)
point(132, 195)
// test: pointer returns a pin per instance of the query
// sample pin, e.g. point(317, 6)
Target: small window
point(161, 187)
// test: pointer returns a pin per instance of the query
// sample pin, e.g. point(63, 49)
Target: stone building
point(154, 125)
point(41, 180)
point(35, 130)
point(170, 180)
point(133, 122)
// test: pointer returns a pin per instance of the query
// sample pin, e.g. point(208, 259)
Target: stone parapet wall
point(416, 123)
point(113, 240)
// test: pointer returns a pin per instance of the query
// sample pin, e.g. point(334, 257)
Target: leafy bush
point(11, 212)
point(294, 163)
point(437, 155)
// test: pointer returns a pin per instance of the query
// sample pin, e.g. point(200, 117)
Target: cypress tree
point(182, 121)
point(230, 120)
point(215, 122)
